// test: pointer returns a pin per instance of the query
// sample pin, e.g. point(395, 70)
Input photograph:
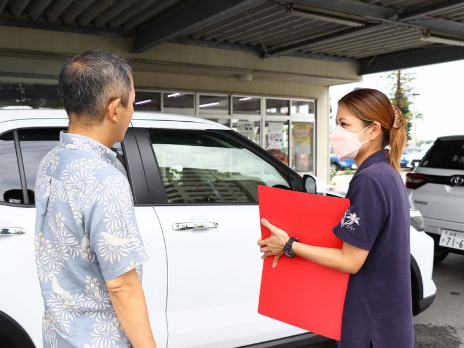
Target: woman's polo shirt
point(378, 305)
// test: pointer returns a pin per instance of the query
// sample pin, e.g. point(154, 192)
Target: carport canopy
point(380, 35)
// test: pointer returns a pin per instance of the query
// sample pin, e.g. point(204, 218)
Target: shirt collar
point(379, 156)
point(81, 142)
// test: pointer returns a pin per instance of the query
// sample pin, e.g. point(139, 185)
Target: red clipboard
point(297, 291)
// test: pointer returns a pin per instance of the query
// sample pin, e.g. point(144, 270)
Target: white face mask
point(346, 144)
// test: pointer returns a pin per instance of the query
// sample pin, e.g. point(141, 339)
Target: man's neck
point(97, 133)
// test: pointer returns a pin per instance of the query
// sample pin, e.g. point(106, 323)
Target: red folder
point(299, 292)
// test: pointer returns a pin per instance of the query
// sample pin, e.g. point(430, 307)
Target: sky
point(440, 99)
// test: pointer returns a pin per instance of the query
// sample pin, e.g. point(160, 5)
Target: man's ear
point(112, 110)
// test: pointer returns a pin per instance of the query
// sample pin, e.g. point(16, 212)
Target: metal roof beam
point(411, 58)
point(111, 12)
point(2, 5)
point(36, 8)
point(432, 9)
point(17, 7)
point(56, 9)
point(416, 19)
point(75, 10)
point(353, 7)
point(21, 23)
point(93, 12)
point(192, 16)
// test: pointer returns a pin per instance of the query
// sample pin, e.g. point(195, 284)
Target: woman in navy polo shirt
point(374, 230)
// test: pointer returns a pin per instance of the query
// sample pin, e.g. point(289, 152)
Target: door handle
point(187, 226)
point(11, 231)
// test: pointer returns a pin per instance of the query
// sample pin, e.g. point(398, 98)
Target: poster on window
point(276, 135)
point(245, 127)
point(301, 138)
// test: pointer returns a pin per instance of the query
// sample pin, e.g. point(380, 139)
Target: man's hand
point(274, 244)
point(128, 300)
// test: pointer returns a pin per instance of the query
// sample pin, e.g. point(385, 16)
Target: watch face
point(289, 253)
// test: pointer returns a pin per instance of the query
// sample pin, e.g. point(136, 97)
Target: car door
point(23, 144)
point(205, 191)
point(20, 299)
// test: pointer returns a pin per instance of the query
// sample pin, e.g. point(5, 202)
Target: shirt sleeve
point(365, 218)
point(112, 228)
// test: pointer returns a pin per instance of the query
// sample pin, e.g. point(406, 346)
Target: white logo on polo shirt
point(349, 220)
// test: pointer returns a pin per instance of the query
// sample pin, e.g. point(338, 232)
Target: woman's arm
point(348, 259)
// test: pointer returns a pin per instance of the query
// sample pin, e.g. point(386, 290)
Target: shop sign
point(302, 138)
point(276, 135)
point(245, 127)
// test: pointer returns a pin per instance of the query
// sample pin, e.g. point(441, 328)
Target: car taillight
point(415, 180)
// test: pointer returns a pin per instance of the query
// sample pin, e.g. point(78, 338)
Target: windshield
point(448, 154)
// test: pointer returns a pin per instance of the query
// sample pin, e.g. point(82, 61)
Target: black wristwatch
point(288, 248)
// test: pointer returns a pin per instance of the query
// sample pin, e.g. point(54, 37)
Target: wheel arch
point(417, 287)
point(15, 332)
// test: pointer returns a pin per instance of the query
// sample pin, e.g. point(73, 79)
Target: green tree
point(402, 96)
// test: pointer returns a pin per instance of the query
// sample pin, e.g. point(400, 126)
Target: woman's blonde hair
point(371, 105)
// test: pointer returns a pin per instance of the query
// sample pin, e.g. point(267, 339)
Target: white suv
point(436, 188)
point(194, 184)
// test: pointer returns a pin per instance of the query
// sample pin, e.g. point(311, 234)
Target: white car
point(436, 188)
point(194, 184)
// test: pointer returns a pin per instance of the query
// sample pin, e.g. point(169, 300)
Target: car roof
point(22, 114)
point(451, 138)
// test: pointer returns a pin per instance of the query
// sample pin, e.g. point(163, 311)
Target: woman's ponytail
point(397, 138)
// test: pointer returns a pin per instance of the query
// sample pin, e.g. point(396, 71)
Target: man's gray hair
point(88, 82)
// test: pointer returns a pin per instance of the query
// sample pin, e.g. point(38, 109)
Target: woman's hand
point(274, 244)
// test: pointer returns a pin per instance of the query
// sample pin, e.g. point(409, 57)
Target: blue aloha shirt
point(86, 234)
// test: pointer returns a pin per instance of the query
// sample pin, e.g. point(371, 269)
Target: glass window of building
point(302, 147)
point(147, 101)
point(277, 107)
point(303, 107)
point(179, 102)
point(247, 105)
point(250, 129)
point(214, 103)
point(276, 139)
point(29, 96)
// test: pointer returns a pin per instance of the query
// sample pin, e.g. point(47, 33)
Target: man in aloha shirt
point(88, 248)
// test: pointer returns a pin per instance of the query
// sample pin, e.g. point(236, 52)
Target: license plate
point(452, 239)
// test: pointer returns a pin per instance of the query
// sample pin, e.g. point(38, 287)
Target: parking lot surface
point(442, 324)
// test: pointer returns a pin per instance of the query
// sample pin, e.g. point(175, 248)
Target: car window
point(36, 143)
point(201, 167)
point(447, 154)
point(10, 181)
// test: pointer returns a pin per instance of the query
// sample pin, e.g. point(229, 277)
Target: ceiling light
point(174, 95)
point(244, 78)
point(323, 17)
point(441, 39)
point(246, 98)
point(207, 105)
point(143, 102)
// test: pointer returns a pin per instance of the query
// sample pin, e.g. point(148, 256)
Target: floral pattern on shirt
point(86, 234)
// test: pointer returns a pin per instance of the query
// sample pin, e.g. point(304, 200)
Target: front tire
point(439, 254)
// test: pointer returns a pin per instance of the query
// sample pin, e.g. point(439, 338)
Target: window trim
point(293, 178)
point(22, 171)
point(21, 176)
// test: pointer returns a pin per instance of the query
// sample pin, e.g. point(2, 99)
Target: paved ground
point(442, 324)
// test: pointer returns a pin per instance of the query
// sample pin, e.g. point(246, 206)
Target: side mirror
point(309, 184)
